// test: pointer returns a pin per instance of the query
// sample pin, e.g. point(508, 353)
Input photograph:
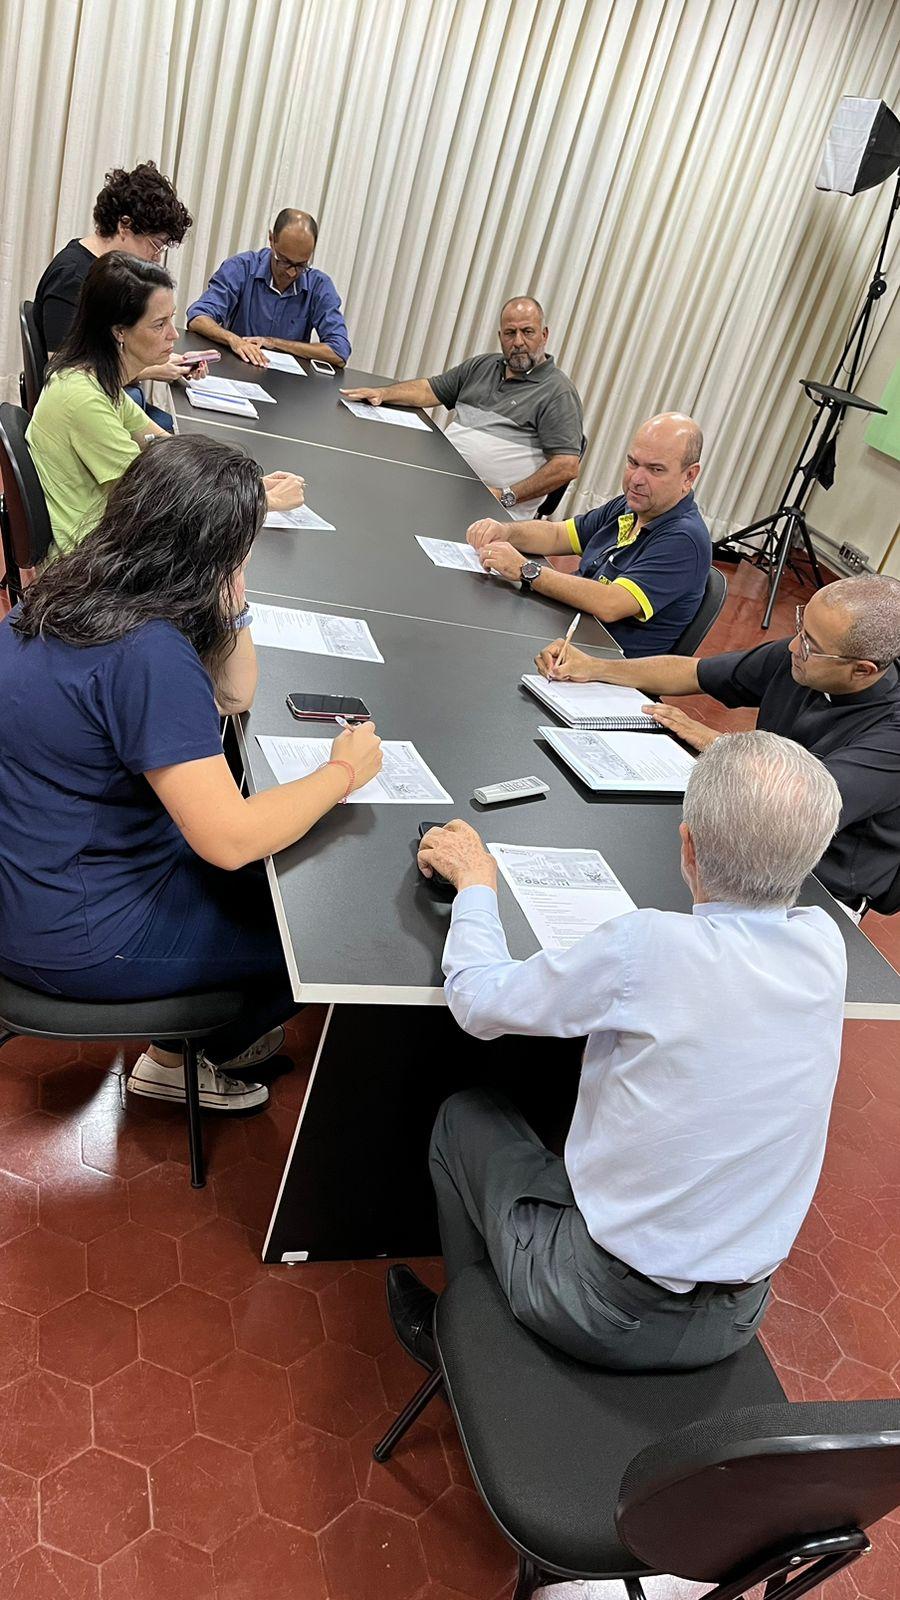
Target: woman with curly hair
point(139, 213)
point(86, 428)
point(129, 859)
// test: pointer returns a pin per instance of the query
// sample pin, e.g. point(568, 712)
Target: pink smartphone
point(194, 357)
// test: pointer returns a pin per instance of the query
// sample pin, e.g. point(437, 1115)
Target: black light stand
point(783, 526)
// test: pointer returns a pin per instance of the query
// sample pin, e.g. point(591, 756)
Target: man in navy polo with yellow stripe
point(645, 556)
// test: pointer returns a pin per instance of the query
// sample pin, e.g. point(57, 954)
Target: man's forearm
point(207, 329)
point(307, 351)
point(652, 674)
point(416, 392)
point(552, 475)
point(585, 594)
point(538, 538)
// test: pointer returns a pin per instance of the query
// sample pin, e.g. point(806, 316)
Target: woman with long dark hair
point(127, 849)
point(86, 430)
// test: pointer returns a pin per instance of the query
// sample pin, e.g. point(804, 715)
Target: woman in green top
point(85, 430)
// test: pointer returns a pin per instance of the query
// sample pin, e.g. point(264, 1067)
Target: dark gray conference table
point(309, 411)
point(373, 560)
point(364, 933)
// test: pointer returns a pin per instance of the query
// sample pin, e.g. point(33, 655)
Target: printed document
point(449, 553)
point(253, 391)
point(282, 362)
point(219, 394)
point(314, 632)
point(391, 414)
point(404, 779)
point(563, 893)
point(302, 517)
point(592, 704)
point(624, 761)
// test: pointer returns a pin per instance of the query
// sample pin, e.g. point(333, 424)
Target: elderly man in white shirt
point(713, 1043)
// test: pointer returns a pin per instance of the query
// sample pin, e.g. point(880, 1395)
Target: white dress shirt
point(712, 1054)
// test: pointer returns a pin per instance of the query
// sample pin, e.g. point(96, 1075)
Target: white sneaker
point(268, 1045)
point(218, 1092)
point(253, 1056)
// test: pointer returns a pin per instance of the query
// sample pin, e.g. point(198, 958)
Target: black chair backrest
point(27, 521)
point(705, 1499)
point(34, 357)
point(689, 642)
point(550, 502)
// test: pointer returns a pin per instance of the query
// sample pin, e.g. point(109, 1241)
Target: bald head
point(289, 218)
point(662, 464)
point(866, 610)
point(523, 305)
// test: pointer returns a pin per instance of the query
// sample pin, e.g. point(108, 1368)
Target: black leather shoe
point(411, 1305)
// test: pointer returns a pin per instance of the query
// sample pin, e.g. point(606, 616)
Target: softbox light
point(862, 147)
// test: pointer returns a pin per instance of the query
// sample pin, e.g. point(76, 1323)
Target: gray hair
point(872, 604)
point(762, 812)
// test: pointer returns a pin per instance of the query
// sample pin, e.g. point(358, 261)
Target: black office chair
point(550, 502)
point(24, 519)
point(708, 1475)
point(28, 1014)
point(689, 642)
point(34, 358)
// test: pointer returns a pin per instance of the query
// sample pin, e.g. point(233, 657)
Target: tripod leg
point(784, 551)
point(810, 550)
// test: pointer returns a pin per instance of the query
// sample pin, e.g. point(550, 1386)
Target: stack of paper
point(219, 394)
point(315, 632)
point(392, 414)
point(450, 553)
point(623, 762)
point(563, 893)
point(404, 779)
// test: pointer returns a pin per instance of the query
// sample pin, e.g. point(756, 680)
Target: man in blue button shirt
point(274, 299)
point(645, 556)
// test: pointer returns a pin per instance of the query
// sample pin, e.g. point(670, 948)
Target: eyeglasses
point(297, 268)
point(807, 649)
point(159, 245)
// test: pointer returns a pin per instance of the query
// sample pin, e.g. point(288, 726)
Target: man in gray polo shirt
point(518, 418)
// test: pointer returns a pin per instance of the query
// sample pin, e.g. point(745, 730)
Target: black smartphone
point(423, 829)
point(327, 707)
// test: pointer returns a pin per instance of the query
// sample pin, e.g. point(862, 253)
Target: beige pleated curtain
point(645, 167)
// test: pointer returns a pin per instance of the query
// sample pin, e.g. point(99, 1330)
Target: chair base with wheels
point(707, 1475)
point(26, 1013)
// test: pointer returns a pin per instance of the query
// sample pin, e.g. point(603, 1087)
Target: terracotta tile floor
point(179, 1422)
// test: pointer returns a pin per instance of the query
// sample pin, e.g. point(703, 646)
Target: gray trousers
point(501, 1193)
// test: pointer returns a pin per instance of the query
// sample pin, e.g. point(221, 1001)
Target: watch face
point(530, 571)
point(508, 499)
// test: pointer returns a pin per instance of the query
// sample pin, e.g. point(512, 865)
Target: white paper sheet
point(313, 632)
point(404, 780)
point(282, 362)
point(623, 761)
point(253, 391)
point(219, 394)
point(301, 517)
point(563, 893)
point(392, 414)
point(449, 553)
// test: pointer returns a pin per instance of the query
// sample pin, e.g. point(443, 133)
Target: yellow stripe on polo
point(574, 540)
point(639, 595)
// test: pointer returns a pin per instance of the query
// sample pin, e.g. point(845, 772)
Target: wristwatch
point(530, 571)
point(507, 498)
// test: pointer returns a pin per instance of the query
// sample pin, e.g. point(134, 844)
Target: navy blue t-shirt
point(85, 846)
point(663, 565)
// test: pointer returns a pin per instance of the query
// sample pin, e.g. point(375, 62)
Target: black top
point(56, 296)
point(857, 736)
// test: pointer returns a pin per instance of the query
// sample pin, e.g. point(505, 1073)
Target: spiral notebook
point(605, 706)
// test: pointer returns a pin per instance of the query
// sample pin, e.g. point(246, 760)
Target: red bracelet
point(336, 762)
